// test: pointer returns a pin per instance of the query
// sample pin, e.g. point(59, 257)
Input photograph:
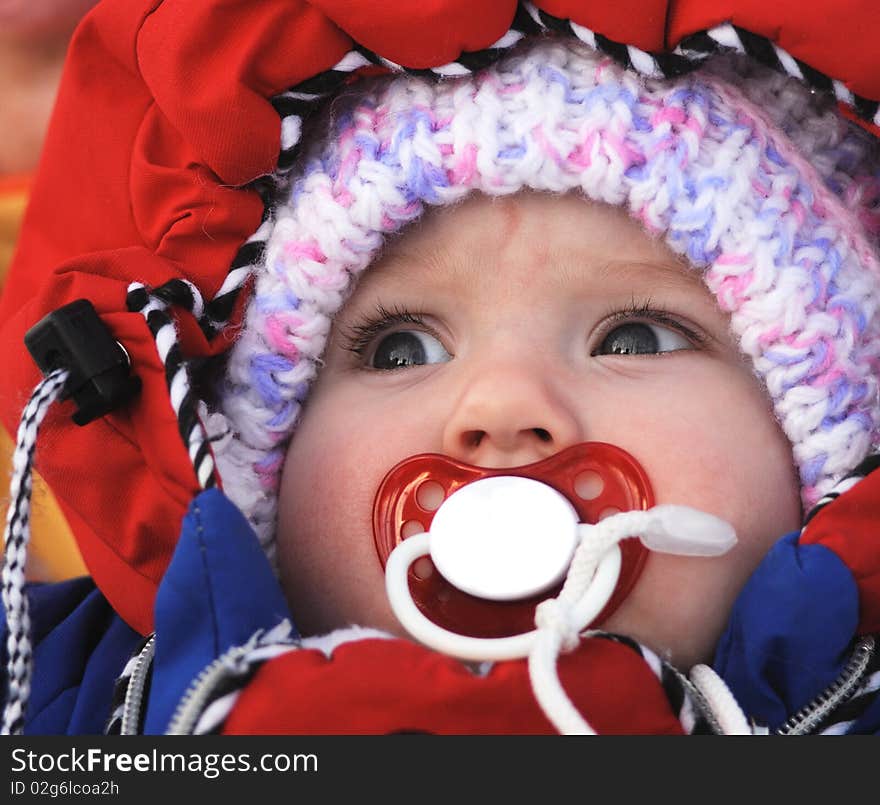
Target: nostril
point(473, 438)
point(543, 435)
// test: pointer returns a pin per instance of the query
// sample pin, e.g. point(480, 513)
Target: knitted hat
point(756, 180)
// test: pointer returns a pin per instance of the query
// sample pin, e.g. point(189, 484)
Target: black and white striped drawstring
point(19, 659)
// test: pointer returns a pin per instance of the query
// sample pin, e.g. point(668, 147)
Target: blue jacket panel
point(218, 590)
point(791, 631)
point(80, 647)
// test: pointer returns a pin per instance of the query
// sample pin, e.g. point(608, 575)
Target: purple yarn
point(774, 156)
point(368, 146)
point(262, 370)
point(783, 359)
point(841, 395)
point(852, 309)
point(283, 416)
point(811, 470)
point(513, 152)
point(283, 303)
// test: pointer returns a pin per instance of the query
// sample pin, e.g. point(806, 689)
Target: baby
point(667, 267)
point(550, 260)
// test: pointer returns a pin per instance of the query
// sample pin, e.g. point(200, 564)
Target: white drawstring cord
point(19, 660)
point(590, 582)
point(676, 529)
point(560, 623)
point(720, 702)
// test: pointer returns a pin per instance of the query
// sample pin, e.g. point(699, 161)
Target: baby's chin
point(680, 644)
point(682, 650)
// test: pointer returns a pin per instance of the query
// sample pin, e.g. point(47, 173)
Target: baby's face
point(499, 332)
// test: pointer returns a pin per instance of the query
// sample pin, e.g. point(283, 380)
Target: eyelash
point(360, 335)
point(636, 311)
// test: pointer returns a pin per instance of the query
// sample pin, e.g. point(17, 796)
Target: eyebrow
point(670, 273)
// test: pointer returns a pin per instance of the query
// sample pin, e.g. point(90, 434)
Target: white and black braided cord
point(219, 310)
point(653, 65)
point(19, 655)
point(184, 402)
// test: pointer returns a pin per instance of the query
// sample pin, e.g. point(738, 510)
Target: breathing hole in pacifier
point(609, 511)
point(430, 495)
point(588, 485)
point(410, 528)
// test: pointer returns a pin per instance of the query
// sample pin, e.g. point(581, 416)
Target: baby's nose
point(507, 417)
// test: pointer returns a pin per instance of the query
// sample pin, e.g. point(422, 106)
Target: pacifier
point(587, 481)
point(500, 564)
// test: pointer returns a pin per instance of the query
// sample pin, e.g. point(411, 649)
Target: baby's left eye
point(404, 348)
point(642, 338)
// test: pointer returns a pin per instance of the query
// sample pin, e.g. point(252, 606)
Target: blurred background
point(34, 35)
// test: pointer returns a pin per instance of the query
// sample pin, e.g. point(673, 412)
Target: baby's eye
point(642, 338)
point(407, 348)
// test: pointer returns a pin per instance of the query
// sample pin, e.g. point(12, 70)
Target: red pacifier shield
point(598, 479)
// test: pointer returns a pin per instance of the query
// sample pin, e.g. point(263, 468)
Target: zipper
point(199, 691)
point(234, 662)
point(134, 693)
point(701, 706)
point(811, 715)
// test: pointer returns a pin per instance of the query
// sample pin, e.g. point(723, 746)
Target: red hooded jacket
point(164, 118)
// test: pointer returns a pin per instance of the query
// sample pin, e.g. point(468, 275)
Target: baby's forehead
point(565, 235)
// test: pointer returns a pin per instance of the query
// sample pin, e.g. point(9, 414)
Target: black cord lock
point(73, 337)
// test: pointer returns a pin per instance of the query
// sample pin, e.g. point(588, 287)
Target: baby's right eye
point(407, 348)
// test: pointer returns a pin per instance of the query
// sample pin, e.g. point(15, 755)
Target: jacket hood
point(170, 116)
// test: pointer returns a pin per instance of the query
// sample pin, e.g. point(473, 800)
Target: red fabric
point(641, 23)
point(427, 33)
point(850, 526)
point(138, 184)
point(163, 113)
point(385, 686)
